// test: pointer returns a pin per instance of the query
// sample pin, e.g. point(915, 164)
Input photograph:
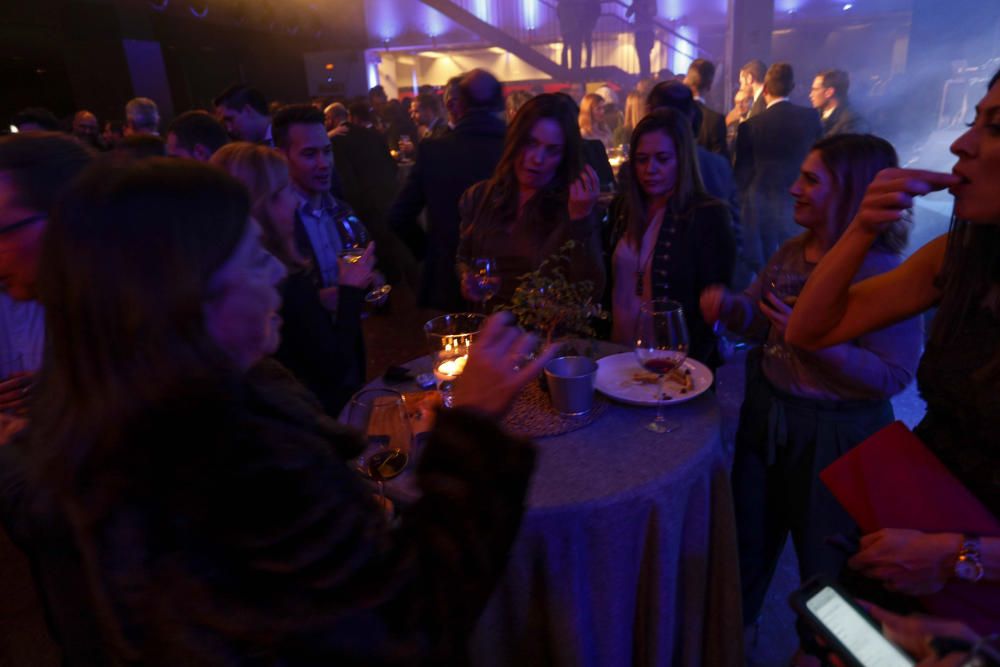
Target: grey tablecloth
point(627, 552)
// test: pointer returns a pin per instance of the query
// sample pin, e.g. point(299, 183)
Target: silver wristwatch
point(969, 564)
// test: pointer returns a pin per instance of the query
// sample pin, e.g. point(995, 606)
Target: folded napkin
point(891, 480)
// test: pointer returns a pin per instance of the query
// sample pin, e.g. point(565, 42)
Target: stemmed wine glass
point(661, 345)
point(484, 280)
point(355, 240)
point(785, 286)
point(381, 415)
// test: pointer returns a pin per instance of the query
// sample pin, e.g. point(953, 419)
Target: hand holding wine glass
point(482, 281)
point(777, 299)
point(380, 414)
point(357, 270)
point(355, 246)
point(661, 346)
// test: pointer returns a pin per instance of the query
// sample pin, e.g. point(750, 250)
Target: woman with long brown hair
point(803, 410)
point(669, 238)
point(540, 196)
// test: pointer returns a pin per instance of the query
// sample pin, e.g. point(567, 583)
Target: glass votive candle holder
point(450, 337)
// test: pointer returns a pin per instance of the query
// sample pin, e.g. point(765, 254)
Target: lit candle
point(450, 369)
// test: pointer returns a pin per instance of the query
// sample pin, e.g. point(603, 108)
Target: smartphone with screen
point(845, 626)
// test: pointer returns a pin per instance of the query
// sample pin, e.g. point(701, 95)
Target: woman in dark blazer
point(668, 238)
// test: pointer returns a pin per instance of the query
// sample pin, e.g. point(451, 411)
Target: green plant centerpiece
point(548, 304)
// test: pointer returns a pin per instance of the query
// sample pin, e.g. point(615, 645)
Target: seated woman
point(540, 196)
point(670, 238)
point(319, 349)
point(804, 409)
point(959, 374)
point(216, 509)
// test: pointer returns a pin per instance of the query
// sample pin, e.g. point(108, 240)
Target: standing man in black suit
point(444, 169)
point(770, 148)
point(712, 134)
point(752, 77)
point(244, 111)
point(829, 97)
point(368, 182)
point(427, 112)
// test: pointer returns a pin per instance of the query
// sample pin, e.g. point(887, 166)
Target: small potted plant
point(547, 303)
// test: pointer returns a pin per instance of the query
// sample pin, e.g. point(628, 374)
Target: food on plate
point(679, 376)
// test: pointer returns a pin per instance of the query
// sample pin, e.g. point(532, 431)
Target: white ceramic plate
point(615, 373)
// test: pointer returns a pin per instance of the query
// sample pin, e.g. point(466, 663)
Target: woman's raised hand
point(498, 366)
point(583, 194)
point(892, 193)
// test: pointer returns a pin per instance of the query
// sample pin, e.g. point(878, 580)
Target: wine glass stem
point(659, 399)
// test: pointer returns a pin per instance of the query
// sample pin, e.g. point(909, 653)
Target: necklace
point(641, 264)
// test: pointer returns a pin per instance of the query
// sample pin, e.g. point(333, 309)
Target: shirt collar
point(773, 102)
point(327, 203)
point(829, 112)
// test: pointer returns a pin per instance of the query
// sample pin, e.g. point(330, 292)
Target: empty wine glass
point(354, 239)
point(661, 346)
point(483, 280)
point(381, 415)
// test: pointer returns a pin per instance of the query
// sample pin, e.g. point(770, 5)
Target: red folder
point(891, 480)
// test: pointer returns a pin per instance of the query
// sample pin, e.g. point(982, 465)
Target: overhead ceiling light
point(432, 54)
point(847, 6)
point(497, 50)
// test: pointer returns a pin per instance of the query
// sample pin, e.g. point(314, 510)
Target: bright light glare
point(529, 14)
point(847, 6)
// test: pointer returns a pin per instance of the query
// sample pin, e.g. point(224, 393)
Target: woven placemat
point(532, 415)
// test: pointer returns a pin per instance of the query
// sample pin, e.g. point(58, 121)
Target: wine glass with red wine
point(380, 414)
point(661, 345)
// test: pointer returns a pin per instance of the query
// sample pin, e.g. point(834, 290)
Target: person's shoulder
point(710, 210)
point(473, 195)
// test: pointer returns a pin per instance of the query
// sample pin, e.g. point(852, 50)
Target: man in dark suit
point(829, 97)
point(770, 148)
point(444, 169)
point(244, 111)
point(752, 77)
point(427, 112)
point(368, 181)
point(712, 134)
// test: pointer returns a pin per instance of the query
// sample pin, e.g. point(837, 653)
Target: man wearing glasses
point(34, 170)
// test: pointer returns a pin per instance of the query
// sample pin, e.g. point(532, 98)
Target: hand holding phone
point(854, 636)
